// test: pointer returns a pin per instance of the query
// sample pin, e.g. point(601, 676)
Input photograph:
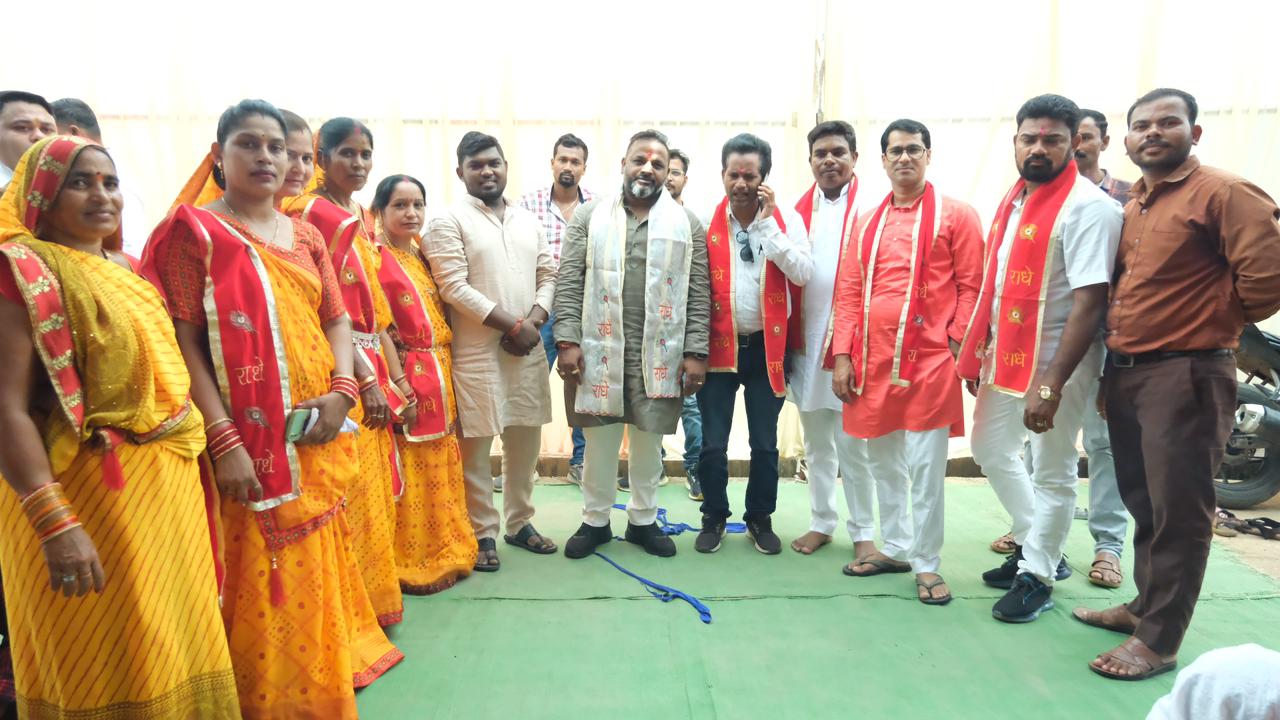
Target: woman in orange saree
point(258, 316)
point(344, 152)
point(104, 506)
point(435, 545)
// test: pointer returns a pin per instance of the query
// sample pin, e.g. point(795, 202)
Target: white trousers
point(910, 469)
point(520, 447)
point(1043, 504)
point(600, 474)
point(828, 449)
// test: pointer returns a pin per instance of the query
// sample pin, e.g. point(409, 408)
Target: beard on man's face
point(641, 192)
point(566, 179)
point(1041, 173)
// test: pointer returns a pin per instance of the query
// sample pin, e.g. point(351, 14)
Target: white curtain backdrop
point(422, 74)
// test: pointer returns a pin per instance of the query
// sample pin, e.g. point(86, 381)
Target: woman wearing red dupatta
point(100, 451)
point(259, 317)
point(435, 545)
point(344, 149)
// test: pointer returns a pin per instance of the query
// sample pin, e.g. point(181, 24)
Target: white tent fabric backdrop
point(421, 75)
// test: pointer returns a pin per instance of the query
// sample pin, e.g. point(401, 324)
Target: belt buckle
point(1121, 361)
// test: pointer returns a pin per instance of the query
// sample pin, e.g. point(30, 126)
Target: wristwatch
point(1047, 393)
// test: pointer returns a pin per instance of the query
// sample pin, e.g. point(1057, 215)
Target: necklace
point(275, 231)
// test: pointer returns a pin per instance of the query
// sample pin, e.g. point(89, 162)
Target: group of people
point(230, 455)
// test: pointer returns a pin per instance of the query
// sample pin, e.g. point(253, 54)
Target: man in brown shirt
point(1199, 256)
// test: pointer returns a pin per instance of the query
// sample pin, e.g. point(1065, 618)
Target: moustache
point(1153, 143)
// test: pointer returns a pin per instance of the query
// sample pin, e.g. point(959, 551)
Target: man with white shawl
point(632, 310)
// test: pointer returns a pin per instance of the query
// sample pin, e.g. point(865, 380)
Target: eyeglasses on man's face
point(915, 152)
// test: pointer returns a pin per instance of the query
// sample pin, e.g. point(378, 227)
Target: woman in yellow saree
point(259, 317)
point(344, 153)
point(104, 535)
point(435, 546)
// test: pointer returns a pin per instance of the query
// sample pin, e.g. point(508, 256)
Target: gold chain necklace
point(275, 231)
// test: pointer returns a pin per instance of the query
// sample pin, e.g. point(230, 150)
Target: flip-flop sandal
point(1113, 627)
point(1097, 577)
point(1128, 657)
point(1004, 544)
point(881, 565)
point(1227, 524)
point(928, 587)
point(523, 539)
point(486, 546)
point(1266, 527)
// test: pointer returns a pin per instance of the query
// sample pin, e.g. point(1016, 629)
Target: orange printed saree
point(435, 546)
point(302, 632)
point(371, 499)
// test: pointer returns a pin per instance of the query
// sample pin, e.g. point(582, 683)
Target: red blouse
point(181, 269)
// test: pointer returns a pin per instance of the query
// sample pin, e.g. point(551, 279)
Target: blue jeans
point(549, 344)
point(691, 418)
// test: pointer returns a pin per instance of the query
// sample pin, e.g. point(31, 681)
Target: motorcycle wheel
point(1250, 472)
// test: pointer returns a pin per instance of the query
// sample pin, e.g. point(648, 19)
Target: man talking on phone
point(756, 253)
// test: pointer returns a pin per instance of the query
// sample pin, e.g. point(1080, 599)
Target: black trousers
point(1169, 422)
point(716, 403)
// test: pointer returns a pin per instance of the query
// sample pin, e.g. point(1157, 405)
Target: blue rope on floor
point(662, 592)
point(670, 528)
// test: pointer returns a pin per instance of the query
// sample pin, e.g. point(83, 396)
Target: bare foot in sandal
point(875, 564)
point(1116, 619)
point(1004, 544)
point(1132, 660)
point(809, 542)
point(931, 589)
point(487, 558)
point(1106, 570)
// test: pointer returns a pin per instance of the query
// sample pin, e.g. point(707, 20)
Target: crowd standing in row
point(334, 376)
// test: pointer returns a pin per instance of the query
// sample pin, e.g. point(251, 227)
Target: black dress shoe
point(709, 538)
point(586, 540)
point(649, 537)
point(760, 530)
point(1025, 600)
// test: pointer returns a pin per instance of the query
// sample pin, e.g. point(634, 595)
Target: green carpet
point(549, 637)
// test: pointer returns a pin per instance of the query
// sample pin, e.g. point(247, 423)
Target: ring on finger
point(68, 579)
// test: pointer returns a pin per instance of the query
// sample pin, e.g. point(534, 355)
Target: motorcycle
point(1250, 472)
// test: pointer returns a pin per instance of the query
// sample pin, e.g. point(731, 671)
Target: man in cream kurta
point(632, 307)
point(494, 269)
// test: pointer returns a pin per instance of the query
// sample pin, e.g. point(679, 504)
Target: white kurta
point(810, 385)
point(480, 263)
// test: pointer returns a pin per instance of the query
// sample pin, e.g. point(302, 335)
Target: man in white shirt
point(1036, 334)
point(829, 210)
point(25, 118)
point(494, 269)
point(756, 254)
point(75, 117)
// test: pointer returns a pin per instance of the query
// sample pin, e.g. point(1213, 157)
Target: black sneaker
point(1002, 577)
point(649, 537)
point(1063, 572)
point(712, 532)
point(760, 530)
point(586, 540)
point(695, 486)
point(1025, 600)
point(624, 482)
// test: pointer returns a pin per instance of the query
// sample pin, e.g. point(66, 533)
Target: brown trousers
point(1169, 422)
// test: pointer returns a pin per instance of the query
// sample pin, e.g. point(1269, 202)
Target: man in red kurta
point(909, 277)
